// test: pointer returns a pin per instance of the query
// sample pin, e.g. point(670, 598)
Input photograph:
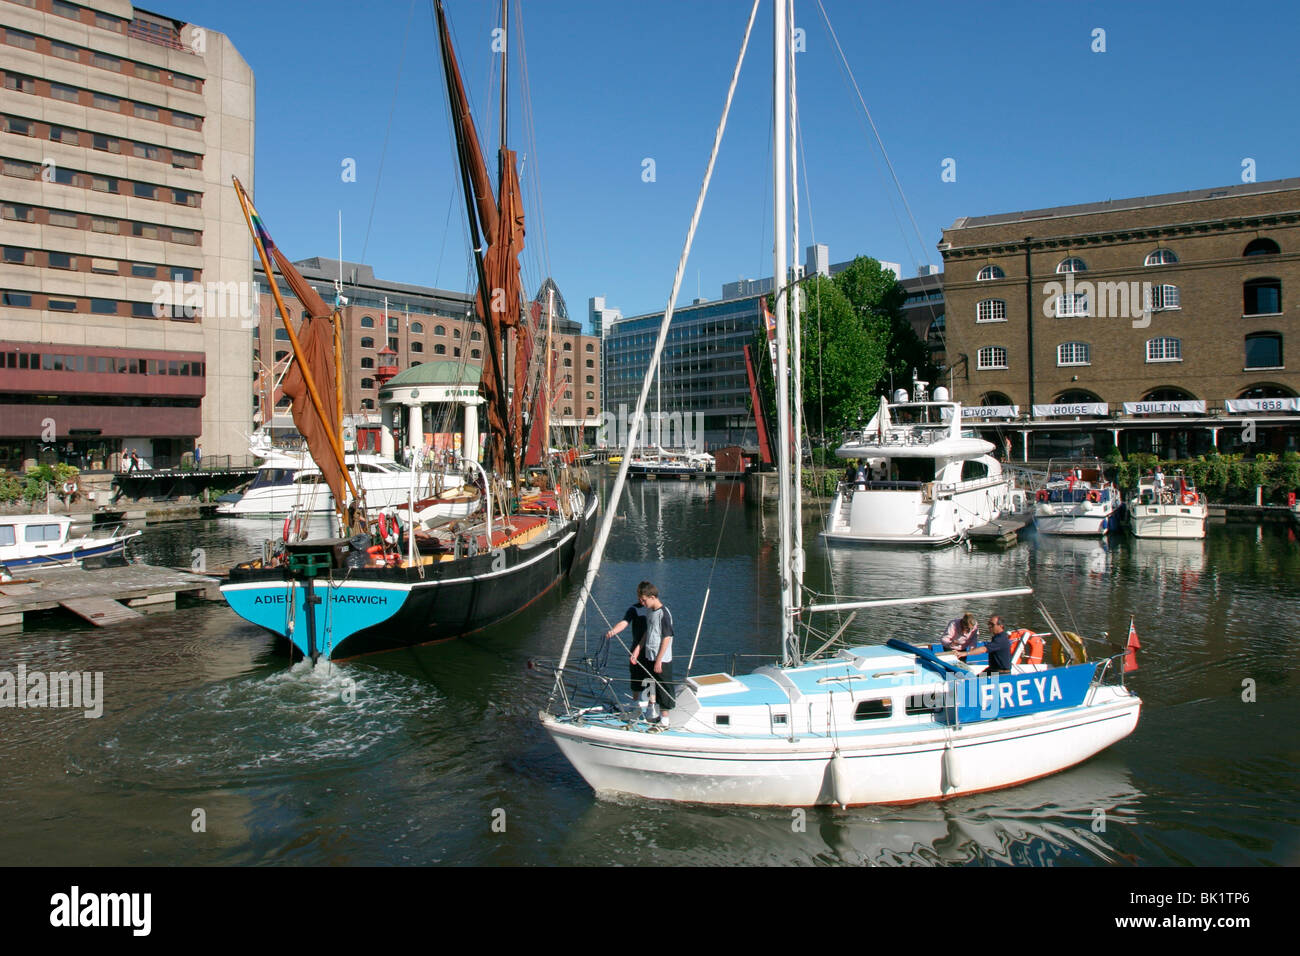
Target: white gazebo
point(433, 393)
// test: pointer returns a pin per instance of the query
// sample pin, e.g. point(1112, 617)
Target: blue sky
point(1011, 91)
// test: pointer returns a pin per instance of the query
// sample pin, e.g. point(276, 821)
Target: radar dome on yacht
point(900, 395)
point(941, 394)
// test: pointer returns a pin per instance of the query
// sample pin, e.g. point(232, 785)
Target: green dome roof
point(435, 373)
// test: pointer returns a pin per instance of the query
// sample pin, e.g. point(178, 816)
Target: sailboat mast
point(797, 554)
point(788, 651)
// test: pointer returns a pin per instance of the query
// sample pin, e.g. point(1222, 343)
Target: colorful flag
point(769, 323)
point(1131, 658)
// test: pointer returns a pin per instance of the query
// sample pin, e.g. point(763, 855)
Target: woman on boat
point(962, 633)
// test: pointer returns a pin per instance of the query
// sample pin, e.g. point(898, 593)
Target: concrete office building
point(120, 130)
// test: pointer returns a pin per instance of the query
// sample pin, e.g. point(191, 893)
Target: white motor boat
point(1076, 499)
point(38, 541)
point(1175, 510)
point(921, 481)
point(672, 464)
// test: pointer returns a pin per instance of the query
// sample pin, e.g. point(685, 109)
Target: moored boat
point(1160, 509)
point(39, 541)
point(1076, 499)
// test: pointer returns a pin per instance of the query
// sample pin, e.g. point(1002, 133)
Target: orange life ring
point(1094, 496)
point(1042, 494)
point(1189, 498)
point(383, 525)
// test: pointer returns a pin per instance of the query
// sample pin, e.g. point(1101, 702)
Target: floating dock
point(1001, 532)
point(103, 596)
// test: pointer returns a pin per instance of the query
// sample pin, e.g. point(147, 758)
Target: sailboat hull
point(872, 768)
point(371, 610)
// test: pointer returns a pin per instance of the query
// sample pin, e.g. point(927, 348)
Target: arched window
point(368, 404)
point(367, 362)
point(455, 333)
point(440, 349)
point(417, 346)
point(991, 310)
point(568, 346)
point(590, 396)
point(1168, 393)
point(1261, 247)
point(568, 363)
point(439, 330)
point(476, 336)
point(367, 383)
point(282, 334)
point(590, 347)
point(1267, 391)
point(591, 380)
point(990, 272)
point(995, 398)
point(475, 353)
point(1164, 349)
point(417, 328)
point(590, 364)
point(1264, 350)
point(1161, 257)
point(1073, 353)
point(281, 356)
point(1076, 396)
point(367, 321)
point(1262, 296)
point(367, 342)
point(1072, 264)
point(1161, 298)
point(991, 357)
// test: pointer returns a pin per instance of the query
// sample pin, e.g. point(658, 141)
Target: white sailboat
point(870, 724)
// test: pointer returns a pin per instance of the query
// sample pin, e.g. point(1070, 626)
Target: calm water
point(410, 757)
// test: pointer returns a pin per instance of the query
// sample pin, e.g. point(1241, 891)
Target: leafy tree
point(877, 297)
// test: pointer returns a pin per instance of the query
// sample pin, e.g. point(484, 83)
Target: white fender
point(840, 780)
point(951, 767)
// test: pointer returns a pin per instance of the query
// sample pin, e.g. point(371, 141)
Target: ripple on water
point(260, 727)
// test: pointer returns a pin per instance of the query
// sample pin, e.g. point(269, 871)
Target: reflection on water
point(410, 757)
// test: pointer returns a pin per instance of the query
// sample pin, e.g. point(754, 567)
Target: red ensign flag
point(1131, 658)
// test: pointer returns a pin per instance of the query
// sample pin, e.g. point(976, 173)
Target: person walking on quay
point(198, 455)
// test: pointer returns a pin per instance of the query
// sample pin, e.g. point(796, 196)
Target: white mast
point(796, 376)
point(789, 653)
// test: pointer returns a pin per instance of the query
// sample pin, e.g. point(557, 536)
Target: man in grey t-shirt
point(652, 654)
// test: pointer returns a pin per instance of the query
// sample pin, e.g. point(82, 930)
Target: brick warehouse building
point(394, 326)
point(1161, 323)
point(119, 132)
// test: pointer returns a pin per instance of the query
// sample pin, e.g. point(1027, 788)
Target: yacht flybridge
point(919, 480)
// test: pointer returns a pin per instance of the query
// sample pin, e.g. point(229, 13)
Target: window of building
point(185, 120)
point(145, 191)
point(106, 22)
point(183, 197)
point(184, 82)
point(590, 396)
point(109, 144)
point(282, 333)
point(991, 310)
point(65, 9)
point(1160, 257)
point(591, 363)
point(991, 357)
point(476, 336)
point(568, 346)
point(440, 349)
point(417, 346)
point(367, 383)
point(186, 237)
point(147, 72)
point(104, 224)
point(61, 91)
point(144, 271)
point(417, 328)
point(1163, 297)
point(455, 352)
point(16, 299)
point(105, 102)
point(145, 310)
point(1264, 350)
point(1164, 350)
point(1261, 247)
point(1071, 305)
point(1072, 264)
point(367, 322)
point(990, 272)
point(367, 362)
point(65, 51)
point(475, 353)
point(61, 134)
point(1262, 296)
point(18, 213)
point(591, 380)
point(19, 127)
point(144, 230)
point(439, 330)
point(106, 62)
point(60, 217)
point(590, 348)
point(19, 257)
point(367, 342)
point(183, 160)
point(20, 84)
point(455, 333)
point(103, 306)
point(145, 151)
point(19, 39)
point(62, 260)
point(63, 305)
point(1073, 353)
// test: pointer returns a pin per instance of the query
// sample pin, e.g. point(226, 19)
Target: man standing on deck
point(651, 659)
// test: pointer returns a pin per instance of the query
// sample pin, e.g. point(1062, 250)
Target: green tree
point(877, 298)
